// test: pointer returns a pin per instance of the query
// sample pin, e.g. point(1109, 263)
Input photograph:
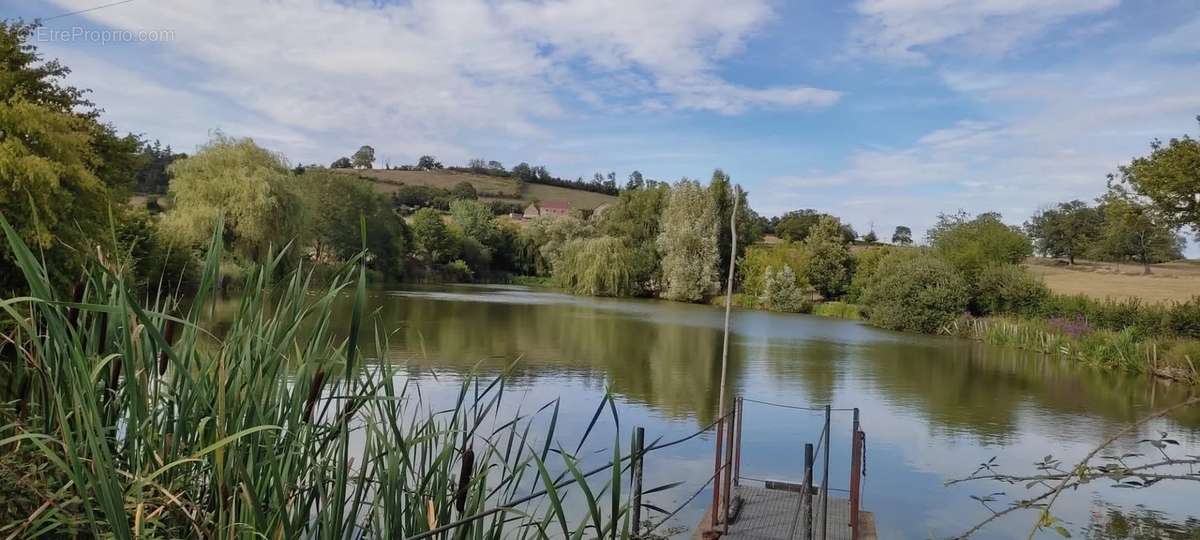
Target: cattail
point(464, 479)
point(314, 392)
point(169, 337)
point(430, 514)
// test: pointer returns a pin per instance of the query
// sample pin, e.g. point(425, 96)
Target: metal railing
point(636, 459)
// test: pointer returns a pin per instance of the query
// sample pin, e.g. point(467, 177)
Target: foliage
point(782, 291)
point(866, 263)
point(636, 214)
point(464, 190)
point(337, 206)
point(921, 294)
point(971, 244)
point(1067, 230)
point(145, 425)
point(475, 219)
point(434, 242)
point(1135, 231)
point(795, 225)
point(1170, 178)
point(902, 236)
point(870, 238)
point(341, 163)
point(1007, 288)
point(828, 261)
point(428, 163)
point(247, 184)
point(749, 230)
point(601, 266)
point(60, 168)
point(543, 240)
point(154, 159)
point(363, 158)
point(759, 259)
point(838, 310)
point(154, 263)
point(688, 243)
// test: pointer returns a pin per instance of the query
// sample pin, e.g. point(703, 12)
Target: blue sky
point(884, 112)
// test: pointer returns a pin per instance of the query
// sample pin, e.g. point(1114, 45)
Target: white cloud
point(433, 74)
point(904, 30)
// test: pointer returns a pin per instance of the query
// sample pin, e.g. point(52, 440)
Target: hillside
point(488, 187)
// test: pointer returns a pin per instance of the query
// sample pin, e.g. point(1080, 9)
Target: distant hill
point(488, 187)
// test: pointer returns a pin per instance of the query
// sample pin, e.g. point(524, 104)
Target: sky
point(883, 112)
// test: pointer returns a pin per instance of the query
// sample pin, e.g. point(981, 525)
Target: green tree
point(60, 169)
point(1137, 232)
point(970, 244)
point(1170, 178)
point(364, 158)
point(428, 163)
point(794, 225)
point(433, 239)
point(760, 259)
point(464, 190)
point(748, 229)
point(335, 204)
point(341, 163)
point(475, 219)
point(902, 236)
point(247, 183)
point(828, 258)
point(1066, 230)
point(688, 243)
point(784, 291)
point(543, 240)
point(920, 294)
point(601, 266)
point(870, 238)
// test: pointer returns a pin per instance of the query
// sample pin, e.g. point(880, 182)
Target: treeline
point(364, 158)
point(1119, 228)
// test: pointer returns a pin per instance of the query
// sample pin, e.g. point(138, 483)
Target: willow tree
point(250, 184)
point(602, 266)
point(688, 243)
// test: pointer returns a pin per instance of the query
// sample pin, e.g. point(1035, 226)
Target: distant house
point(552, 208)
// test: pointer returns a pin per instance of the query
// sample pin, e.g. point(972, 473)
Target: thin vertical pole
point(737, 452)
point(825, 479)
point(728, 300)
point(855, 476)
point(727, 489)
point(806, 497)
point(639, 438)
point(716, 499)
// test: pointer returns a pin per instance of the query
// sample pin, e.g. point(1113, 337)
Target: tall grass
point(281, 427)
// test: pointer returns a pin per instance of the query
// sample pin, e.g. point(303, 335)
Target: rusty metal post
point(639, 441)
point(727, 487)
point(855, 476)
point(737, 452)
point(825, 477)
point(716, 498)
point(806, 496)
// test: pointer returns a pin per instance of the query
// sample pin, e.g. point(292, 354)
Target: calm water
point(932, 408)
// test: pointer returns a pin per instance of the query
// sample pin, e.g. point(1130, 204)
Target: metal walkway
point(771, 514)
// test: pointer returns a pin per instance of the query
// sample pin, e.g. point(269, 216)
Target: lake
point(932, 408)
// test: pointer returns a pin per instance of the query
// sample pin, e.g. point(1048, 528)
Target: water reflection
point(933, 407)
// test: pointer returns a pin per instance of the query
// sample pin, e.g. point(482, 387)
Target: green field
point(489, 187)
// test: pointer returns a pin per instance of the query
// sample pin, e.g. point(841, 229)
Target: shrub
point(970, 245)
point(838, 310)
point(1008, 288)
point(782, 291)
point(921, 294)
point(866, 263)
point(828, 258)
point(753, 266)
point(1183, 319)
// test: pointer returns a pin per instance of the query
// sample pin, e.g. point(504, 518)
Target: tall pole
point(825, 478)
point(728, 300)
point(638, 447)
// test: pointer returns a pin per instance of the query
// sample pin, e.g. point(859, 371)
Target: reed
point(282, 426)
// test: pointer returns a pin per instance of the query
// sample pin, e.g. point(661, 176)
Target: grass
point(489, 187)
point(838, 310)
point(1120, 350)
point(124, 417)
point(1167, 282)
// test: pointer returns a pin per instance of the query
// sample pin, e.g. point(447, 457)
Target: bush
point(782, 292)
point(921, 294)
point(1008, 288)
point(1183, 319)
point(753, 266)
point(838, 310)
point(1144, 320)
point(866, 263)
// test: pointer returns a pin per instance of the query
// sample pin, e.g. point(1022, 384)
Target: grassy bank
point(125, 417)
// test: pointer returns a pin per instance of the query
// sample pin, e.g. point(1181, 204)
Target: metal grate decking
point(770, 514)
